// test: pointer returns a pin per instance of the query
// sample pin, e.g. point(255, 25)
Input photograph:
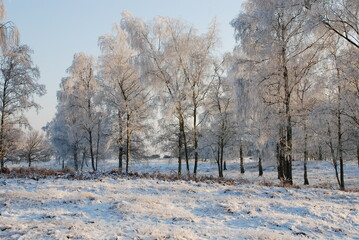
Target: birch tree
point(124, 92)
point(81, 94)
point(18, 86)
point(273, 35)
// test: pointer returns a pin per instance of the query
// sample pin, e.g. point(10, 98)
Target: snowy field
point(130, 208)
point(320, 173)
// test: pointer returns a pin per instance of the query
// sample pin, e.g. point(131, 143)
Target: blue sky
point(56, 29)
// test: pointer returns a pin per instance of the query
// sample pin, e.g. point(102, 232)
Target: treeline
point(288, 91)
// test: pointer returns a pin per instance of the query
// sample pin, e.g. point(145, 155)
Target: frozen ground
point(150, 209)
point(320, 173)
point(127, 208)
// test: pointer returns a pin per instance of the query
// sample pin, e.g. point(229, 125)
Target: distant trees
point(35, 147)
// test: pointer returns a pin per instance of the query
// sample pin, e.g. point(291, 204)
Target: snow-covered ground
point(320, 173)
point(137, 208)
point(110, 208)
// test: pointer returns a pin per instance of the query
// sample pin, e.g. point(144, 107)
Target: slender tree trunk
point(76, 160)
point(260, 167)
point(120, 143)
point(358, 154)
point(128, 143)
point(320, 153)
point(221, 157)
point(2, 136)
point(29, 160)
point(98, 142)
point(91, 151)
point(184, 135)
point(281, 155)
point(332, 152)
point(287, 95)
point(120, 156)
point(3, 125)
point(225, 165)
point(241, 158)
point(306, 182)
point(218, 162)
point(179, 153)
point(195, 138)
point(340, 141)
point(83, 160)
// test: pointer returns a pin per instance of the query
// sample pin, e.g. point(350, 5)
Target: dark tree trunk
point(98, 142)
point(288, 140)
point(76, 160)
point(340, 144)
point(320, 153)
point(260, 168)
point(241, 158)
point(225, 166)
point(306, 182)
point(221, 157)
point(358, 154)
point(2, 130)
point(195, 138)
point(179, 153)
point(83, 160)
point(92, 155)
point(184, 135)
point(120, 142)
point(120, 157)
point(128, 143)
point(220, 172)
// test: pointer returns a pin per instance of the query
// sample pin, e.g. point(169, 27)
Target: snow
point(320, 173)
point(137, 208)
point(109, 208)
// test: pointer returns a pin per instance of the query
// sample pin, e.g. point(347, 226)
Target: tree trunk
point(320, 153)
point(120, 156)
point(2, 136)
point(340, 143)
point(29, 160)
point(358, 154)
point(224, 165)
point(221, 157)
point(179, 153)
point(128, 143)
point(332, 152)
point(287, 95)
point(260, 167)
point(184, 135)
point(241, 158)
point(220, 172)
point(306, 182)
point(195, 138)
point(76, 160)
point(83, 160)
point(3, 125)
point(120, 142)
point(91, 152)
point(98, 142)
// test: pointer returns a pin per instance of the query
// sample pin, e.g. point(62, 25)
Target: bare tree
point(36, 148)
